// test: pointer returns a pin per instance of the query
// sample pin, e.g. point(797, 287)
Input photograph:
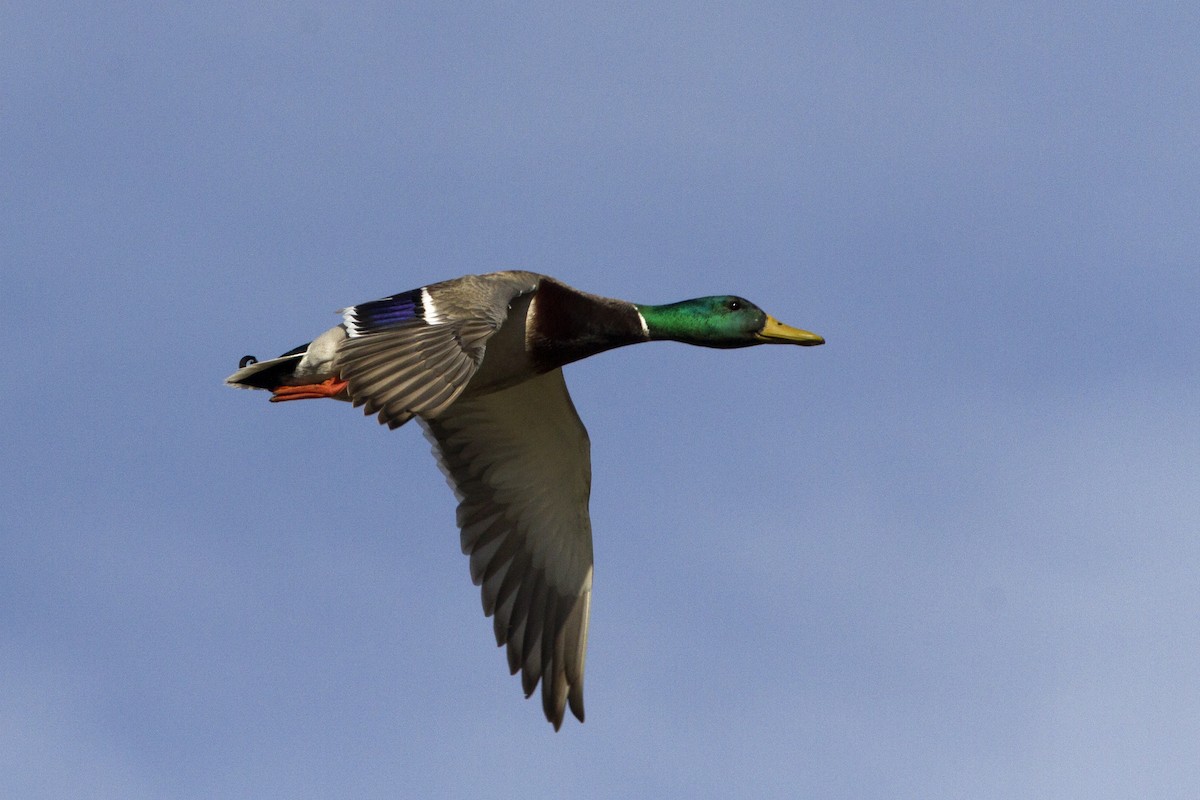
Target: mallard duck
point(478, 361)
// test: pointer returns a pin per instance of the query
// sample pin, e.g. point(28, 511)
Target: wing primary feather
point(554, 685)
point(479, 525)
point(489, 550)
point(512, 651)
point(536, 625)
point(512, 582)
point(550, 663)
point(500, 621)
point(575, 649)
point(489, 588)
point(525, 592)
point(500, 559)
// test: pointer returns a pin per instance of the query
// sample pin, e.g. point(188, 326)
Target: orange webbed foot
point(310, 391)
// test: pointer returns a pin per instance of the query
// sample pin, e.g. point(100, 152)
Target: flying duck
point(478, 361)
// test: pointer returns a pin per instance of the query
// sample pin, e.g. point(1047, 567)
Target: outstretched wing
point(413, 353)
point(519, 461)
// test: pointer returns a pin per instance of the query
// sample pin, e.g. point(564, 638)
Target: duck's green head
point(724, 321)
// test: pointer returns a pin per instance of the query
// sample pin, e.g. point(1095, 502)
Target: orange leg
point(312, 391)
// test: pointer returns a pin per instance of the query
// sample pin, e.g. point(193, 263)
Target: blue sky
point(953, 553)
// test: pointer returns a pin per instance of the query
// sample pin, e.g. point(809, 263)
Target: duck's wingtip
point(575, 701)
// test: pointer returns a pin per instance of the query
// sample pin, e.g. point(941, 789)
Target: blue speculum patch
point(389, 311)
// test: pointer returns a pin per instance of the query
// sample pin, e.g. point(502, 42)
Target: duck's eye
point(733, 305)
